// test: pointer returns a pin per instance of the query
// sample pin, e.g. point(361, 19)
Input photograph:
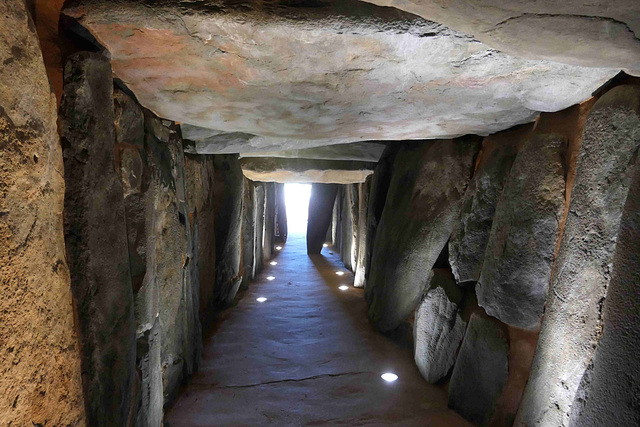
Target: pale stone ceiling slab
point(270, 78)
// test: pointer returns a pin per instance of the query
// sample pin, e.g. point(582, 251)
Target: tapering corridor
point(305, 356)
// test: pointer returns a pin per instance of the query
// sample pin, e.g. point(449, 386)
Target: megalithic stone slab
point(228, 184)
point(362, 259)
point(438, 329)
point(481, 370)
point(248, 233)
point(426, 189)
point(471, 234)
point(281, 214)
point(96, 238)
point(519, 256)
point(321, 204)
point(573, 315)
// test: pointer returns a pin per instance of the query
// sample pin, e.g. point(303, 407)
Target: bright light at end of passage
point(261, 299)
point(325, 245)
point(273, 263)
point(278, 248)
point(270, 278)
point(339, 273)
point(343, 287)
point(389, 377)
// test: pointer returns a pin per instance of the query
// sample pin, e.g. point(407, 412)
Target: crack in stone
point(288, 380)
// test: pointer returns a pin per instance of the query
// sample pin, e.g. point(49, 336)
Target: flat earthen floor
point(305, 356)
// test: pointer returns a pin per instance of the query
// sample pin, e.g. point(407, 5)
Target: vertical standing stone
point(40, 357)
point(573, 314)
point(259, 201)
point(248, 233)
point(348, 226)
point(429, 179)
point(269, 221)
point(281, 215)
point(321, 204)
point(96, 239)
point(519, 256)
point(228, 195)
point(361, 261)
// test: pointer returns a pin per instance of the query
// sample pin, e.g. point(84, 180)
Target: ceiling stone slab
point(305, 170)
point(357, 151)
point(596, 33)
point(283, 77)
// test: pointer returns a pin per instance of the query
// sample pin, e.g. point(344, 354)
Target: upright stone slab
point(348, 226)
point(438, 327)
point(481, 370)
point(471, 234)
point(96, 240)
point(40, 357)
point(519, 257)
point(429, 179)
point(259, 198)
point(573, 315)
point(321, 205)
point(611, 385)
point(228, 196)
point(361, 260)
point(281, 214)
point(268, 243)
point(248, 233)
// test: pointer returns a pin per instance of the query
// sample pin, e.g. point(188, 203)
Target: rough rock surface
point(519, 256)
point(305, 170)
point(362, 259)
point(600, 33)
point(357, 152)
point(571, 330)
point(268, 241)
point(422, 204)
point(96, 240)
point(321, 204)
point(471, 233)
point(37, 331)
point(348, 197)
point(438, 329)
point(260, 194)
point(611, 384)
point(228, 194)
point(252, 72)
point(481, 369)
point(248, 233)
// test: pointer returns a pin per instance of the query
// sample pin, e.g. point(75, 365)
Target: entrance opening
point(297, 202)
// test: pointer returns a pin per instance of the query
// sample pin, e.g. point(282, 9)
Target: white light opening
point(270, 277)
point(278, 248)
point(261, 299)
point(325, 245)
point(273, 263)
point(343, 287)
point(389, 377)
point(340, 273)
point(297, 203)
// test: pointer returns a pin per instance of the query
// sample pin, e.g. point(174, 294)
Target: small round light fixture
point(325, 245)
point(261, 299)
point(340, 273)
point(270, 277)
point(343, 287)
point(278, 248)
point(389, 377)
point(273, 263)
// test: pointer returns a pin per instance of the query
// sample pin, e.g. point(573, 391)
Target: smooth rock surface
point(348, 199)
point(362, 259)
point(599, 33)
point(471, 233)
point(284, 170)
point(96, 240)
point(252, 73)
point(428, 182)
point(480, 371)
point(37, 327)
point(438, 329)
point(573, 314)
point(357, 151)
point(321, 204)
point(519, 257)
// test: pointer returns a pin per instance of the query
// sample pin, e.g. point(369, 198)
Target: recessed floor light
point(389, 377)
point(261, 299)
point(340, 273)
point(273, 263)
point(270, 278)
point(278, 248)
point(324, 245)
point(343, 287)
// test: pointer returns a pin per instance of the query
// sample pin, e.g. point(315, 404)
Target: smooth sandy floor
point(306, 356)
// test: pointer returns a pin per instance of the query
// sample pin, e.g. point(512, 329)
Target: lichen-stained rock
point(480, 371)
point(305, 170)
point(428, 182)
point(438, 327)
point(96, 240)
point(362, 259)
point(228, 195)
point(519, 256)
point(611, 385)
point(595, 34)
point(253, 75)
point(471, 234)
point(321, 204)
point(573, 314)
point(40, 357)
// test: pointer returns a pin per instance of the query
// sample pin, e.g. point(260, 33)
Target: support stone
point(321, 205)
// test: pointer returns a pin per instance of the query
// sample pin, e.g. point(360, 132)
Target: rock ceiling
point(255, 76)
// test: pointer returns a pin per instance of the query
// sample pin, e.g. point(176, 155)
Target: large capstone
point(422, 204)
point(294, 170)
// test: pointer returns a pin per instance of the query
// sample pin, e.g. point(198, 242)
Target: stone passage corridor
point(306, 356)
